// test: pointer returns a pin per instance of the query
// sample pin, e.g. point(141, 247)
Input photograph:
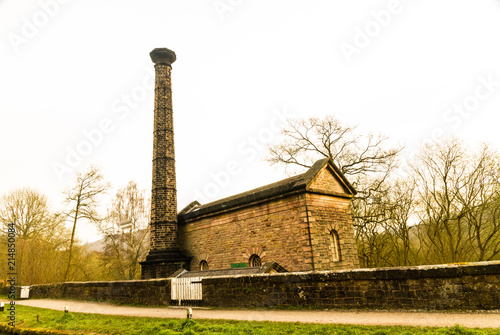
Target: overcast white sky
point(72, 69)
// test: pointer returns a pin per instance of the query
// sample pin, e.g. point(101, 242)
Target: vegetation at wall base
point(58, 322)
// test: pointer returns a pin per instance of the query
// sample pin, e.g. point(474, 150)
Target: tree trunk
point(72, 240)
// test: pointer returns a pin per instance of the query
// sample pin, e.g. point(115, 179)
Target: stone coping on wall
point(401, 272)
point(108, 283)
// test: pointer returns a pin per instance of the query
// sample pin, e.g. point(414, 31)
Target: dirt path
point(388, 318)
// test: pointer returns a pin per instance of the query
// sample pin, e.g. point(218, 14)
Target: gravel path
point(388, 318)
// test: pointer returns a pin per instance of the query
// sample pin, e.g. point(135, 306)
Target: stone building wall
point(327, 213)
point(326, 181)
point(279, 230)
point(276, 230)
point(289, 222)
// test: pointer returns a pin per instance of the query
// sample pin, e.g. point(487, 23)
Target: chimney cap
point(162, 56)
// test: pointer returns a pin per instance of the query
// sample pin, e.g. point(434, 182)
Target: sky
point(76, 84)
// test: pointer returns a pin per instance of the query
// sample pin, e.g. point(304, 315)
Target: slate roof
point(269, 267)
point(290, 185)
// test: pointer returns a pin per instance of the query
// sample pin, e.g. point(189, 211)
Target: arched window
point(335, 245)
point(203, 265)
point(254, 261)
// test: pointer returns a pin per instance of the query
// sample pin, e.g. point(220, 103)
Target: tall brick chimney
point(164, 256)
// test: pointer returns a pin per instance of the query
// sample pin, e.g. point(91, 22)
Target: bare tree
point(363, 159)
point(400, 222)
point(371, 214)
point(82, 199)
point(40, 232)
point(126, 232)
point(481, 201)
point(308, 140)
point(458, 192)
point(386, 238)
point(440, 174)
point(30, 212)
point(447, 210)
point(484, 229)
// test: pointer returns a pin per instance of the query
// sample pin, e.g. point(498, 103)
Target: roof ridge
point(252, 191)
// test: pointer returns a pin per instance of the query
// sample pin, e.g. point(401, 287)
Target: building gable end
point(325, 177)
point(327, 181)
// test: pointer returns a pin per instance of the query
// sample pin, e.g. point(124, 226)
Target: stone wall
point(146, 292)
point(463, 287)
point(474, 286)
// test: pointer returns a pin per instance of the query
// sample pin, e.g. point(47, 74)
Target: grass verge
point(83, 323)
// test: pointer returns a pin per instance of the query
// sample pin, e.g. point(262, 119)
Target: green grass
point(83, 323)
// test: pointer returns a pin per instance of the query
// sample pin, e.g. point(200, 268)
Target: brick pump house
point(302, 223)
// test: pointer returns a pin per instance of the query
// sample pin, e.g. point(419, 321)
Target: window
point(254, 261)
point(203, 265)
point(335, 245)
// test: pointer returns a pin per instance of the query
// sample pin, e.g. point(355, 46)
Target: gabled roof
point(296, 184)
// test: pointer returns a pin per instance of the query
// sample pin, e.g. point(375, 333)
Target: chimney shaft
point(164, 195)
point(164, 256)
